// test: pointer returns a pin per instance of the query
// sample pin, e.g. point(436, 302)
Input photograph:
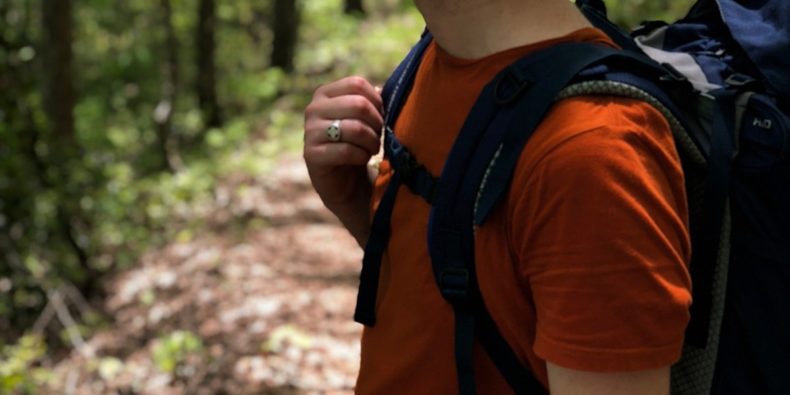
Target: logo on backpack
point(766, 124)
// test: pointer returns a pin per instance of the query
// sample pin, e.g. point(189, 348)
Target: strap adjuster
point(742, 82)
point(404, 162)
point(510, 85)
point(407, 165)
point(454, 283)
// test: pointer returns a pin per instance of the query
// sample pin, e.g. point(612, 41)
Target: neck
point(472, 29)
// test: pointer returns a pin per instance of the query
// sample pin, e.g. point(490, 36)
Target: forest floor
point(252, 309)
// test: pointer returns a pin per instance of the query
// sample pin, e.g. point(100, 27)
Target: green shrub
point(19, 371)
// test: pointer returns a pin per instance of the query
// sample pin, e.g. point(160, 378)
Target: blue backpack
point(721, 77)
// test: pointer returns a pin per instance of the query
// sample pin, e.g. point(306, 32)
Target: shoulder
point(594, 158)
point(586, 125)
point(593, 135)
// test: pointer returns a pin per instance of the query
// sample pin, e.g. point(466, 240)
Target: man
point(582, 266)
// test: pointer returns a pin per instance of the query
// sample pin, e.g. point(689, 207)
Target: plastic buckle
point(515, 77)
point(647, 27)
point(394, 145)
point(454, 283)
point(741, 81)
point(433, 190)
point(406, 165)
point(399, 156)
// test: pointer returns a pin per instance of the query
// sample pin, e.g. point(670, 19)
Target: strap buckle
point(401, 158)
point(454, 283)
point(512, 76)
point(742, 82)
point(407, 166)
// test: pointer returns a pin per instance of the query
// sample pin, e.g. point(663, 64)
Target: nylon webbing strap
point(706, 237)
point(464, 350)
point(394, 93)
point(371, 262)
point(413, 175)
point(399, 84)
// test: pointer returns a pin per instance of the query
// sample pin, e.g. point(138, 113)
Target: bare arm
point(563, 381)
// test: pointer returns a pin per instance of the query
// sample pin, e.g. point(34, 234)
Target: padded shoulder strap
point(395, 92)
point(397, 87)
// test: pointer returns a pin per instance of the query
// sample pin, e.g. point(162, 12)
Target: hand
point(338, 170)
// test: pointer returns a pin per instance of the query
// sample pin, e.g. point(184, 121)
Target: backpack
point(724, 92)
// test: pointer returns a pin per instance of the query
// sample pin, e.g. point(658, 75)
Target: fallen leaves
point(270, 312)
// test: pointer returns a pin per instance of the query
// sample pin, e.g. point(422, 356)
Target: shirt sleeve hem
point(607, 361)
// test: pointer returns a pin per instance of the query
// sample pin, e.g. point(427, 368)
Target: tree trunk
point(163, 113)
point(354, 7)
point(59, 99)
point(286, 32)
point(59, 96)
point(207, 74)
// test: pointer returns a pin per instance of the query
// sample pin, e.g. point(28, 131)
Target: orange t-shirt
point(583, 264)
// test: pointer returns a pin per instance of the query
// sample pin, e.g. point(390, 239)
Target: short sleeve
point(599, 225)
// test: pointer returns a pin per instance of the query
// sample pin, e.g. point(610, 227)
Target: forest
point(158, 234)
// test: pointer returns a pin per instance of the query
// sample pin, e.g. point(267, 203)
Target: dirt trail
point(272, 306)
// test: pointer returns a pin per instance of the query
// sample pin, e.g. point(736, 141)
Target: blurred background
point(158, 234)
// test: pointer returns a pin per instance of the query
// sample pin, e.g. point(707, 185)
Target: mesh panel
point(693, 375)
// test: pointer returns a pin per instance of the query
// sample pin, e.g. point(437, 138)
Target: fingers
point(361, 120)
point(352, 86)
point(357, 104)
point(346, 107)
point(335, 155)
point(352, 131)
point(358, 143)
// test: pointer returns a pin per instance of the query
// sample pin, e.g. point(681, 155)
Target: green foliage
point(346, 45)
point(630, 13)
point(19, 373)
point(175, 349)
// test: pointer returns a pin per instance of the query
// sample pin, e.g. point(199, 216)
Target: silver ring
point(333, 132)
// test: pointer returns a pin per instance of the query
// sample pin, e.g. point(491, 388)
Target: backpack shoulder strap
point(394, 93)
point(398, 85)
